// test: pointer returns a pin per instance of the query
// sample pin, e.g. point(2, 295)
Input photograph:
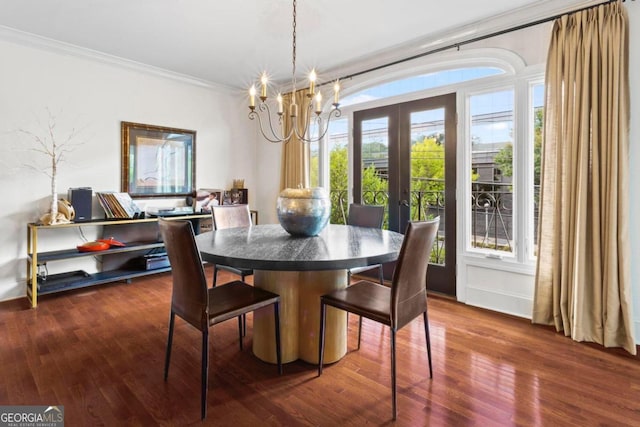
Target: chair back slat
point(365, 215)
point(189, 298)
point(230, 216)
point(409, 284)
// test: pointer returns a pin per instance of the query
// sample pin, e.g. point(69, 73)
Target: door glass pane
point(375, 161)
point(492, 171)
point(337, 140)
point(427, 172)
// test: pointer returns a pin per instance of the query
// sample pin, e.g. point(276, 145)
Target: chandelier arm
point(335, 113)
point(302, 135)
point(273, 136)
point(265, 107)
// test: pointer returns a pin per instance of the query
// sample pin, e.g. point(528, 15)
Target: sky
point(486, 127)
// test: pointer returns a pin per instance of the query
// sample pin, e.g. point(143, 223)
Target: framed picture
point(157, 161)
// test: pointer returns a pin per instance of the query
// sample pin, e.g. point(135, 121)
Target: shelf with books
point(118, 205)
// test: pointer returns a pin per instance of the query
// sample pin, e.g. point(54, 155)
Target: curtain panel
point(295, 153)
point(583, 267)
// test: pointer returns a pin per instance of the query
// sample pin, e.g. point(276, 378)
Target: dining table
point(300, 269)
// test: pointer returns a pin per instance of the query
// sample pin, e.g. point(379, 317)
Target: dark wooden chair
point(396, 306)
point(366, 216)
point(202, 307)
point(230, 216)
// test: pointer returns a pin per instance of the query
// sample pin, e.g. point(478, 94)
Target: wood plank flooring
point(100, 352)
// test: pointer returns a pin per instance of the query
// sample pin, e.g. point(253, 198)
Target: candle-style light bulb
point(280, 106)
point(336, 92)
point(318, 102)
point(264, 80)
point(252, 96)
point(312, 82)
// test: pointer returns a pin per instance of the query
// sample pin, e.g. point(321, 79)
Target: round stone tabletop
point(270, 247)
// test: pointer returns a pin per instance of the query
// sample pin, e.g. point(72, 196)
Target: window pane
point(314, 164)
point(418, 83)
point(492, 171)
point(537, 109)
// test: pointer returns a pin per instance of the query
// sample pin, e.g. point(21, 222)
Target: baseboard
point(18, 290)
point(514, 305)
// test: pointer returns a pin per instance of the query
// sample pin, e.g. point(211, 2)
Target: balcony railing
point(492, 216)
point(491, 213)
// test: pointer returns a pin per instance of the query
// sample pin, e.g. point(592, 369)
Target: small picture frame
point(207, 197)
point(236, 196)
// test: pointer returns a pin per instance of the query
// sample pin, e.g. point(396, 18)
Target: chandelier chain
point(293, 56)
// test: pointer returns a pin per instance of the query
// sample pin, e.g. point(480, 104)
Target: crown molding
point(38, 42)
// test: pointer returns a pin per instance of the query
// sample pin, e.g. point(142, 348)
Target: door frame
point(440, 278)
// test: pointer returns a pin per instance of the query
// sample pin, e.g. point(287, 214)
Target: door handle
point(403, 203)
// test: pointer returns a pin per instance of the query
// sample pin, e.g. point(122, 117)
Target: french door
point(404, 158)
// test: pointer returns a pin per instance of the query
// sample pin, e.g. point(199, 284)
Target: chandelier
point(311, 110)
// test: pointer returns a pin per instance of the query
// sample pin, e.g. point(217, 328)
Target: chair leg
point(172, 320)
point(240, 326)
point(244, 316)
point(215, 275)
point(348, 284)
point(276, 315)
point(381, 274)
point(359, 331)
point(428, 338)
point(244, 325)
point(323, 315)
point(205, 372)
point(393, 374)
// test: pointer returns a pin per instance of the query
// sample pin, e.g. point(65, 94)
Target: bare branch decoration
point(55, 150)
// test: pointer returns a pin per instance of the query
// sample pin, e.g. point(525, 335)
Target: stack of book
point(118, 205)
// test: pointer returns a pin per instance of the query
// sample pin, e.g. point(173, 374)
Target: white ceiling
point(231, 42)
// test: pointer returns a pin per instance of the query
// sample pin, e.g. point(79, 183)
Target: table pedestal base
point(300, 316)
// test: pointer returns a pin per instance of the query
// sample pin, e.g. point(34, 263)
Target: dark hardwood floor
point(100, 352)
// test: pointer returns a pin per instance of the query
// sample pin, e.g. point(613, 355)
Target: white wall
point(95, 95)
point(268, 176)
point(634, 159)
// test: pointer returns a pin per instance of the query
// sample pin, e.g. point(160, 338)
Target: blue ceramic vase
point(303, 211)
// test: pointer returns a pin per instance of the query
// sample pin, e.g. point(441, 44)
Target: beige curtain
point(295, 153)
point(582, 278)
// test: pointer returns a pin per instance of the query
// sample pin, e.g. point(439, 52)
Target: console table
point(140, 236)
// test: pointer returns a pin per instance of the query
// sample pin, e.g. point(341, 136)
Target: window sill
point(502, 264)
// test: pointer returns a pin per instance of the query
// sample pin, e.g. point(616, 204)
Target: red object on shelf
point(111, 242)
point(93, 246)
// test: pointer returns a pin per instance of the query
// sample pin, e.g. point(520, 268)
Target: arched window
point(499, 104)
point(419, 83)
